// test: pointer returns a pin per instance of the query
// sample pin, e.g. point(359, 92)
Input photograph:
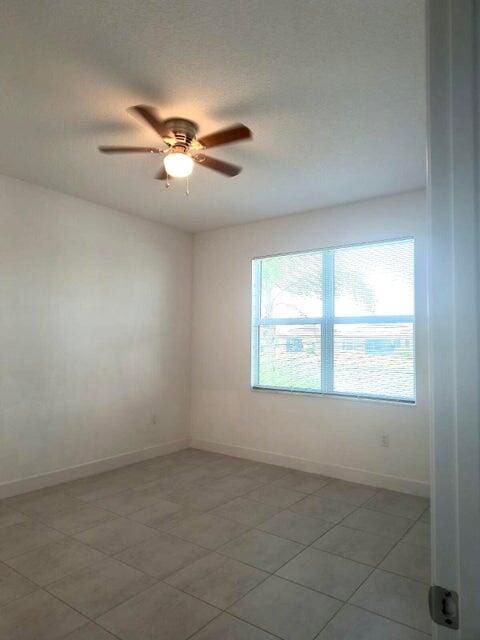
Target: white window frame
point(327, 323)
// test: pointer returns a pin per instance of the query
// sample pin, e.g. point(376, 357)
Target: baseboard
point(51, 478)
point(384, 481)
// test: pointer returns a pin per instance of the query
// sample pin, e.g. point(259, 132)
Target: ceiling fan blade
point(234, 133)
point(128, 150)
point(148, 114)
point(221, 166)
point(162, 174)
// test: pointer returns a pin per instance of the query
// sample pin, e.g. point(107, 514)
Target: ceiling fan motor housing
point(181, 130)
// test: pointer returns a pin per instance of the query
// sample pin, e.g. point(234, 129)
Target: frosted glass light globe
point(178, 165)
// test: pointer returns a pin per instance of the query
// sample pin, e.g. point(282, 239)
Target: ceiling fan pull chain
point(187, 190)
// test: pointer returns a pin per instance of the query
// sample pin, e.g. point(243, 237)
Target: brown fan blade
point(162, 174)
point(226, 168)
point(128, 150)
point(234, 133)
point(148, 114)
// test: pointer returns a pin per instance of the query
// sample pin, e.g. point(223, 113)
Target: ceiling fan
point(184, 149)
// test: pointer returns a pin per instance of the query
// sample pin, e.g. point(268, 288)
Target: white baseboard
point(50, 478)
point(384, 481)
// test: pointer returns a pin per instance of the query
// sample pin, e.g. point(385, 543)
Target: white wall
point(326, 434)
point(95, 316)
point(95, 325)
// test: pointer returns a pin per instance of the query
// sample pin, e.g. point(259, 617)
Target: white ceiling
point(334, 91)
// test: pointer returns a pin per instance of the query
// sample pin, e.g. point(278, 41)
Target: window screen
point(336, 321)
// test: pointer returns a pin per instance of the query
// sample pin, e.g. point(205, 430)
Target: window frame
point(327, 322)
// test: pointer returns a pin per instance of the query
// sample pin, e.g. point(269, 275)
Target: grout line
point(13, 570)
point(375, 613)
point(252, 624)
point(387, 618)
point(205, 625)
point(226, 610)
point(330, 620)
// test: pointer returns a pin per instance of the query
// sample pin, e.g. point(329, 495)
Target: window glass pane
point(290, 356)
point(375, 279)
point(292, 286)
point(374, 360)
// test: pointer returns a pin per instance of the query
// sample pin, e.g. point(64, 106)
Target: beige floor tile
point(43, 502)
point(165, 515)
point(191, 478)
point(264, 472)
point(287, 610)
point(78, 518)
point(13, 585)
point(245, 511)
point(226, 627)
point(398, 504)
point(235, 485)
point(38, 616)
point(296, 527)
point(24, 537)
point(303, 482)
point(325, 508)
point(361, 546)
point(397, 598)
point(228, 466)
point(159, 612)
point(96, 487)
point(425, 517)
point(90, 631)
point(162, 555)
point(419, 534)
point(131, 500)
point(218, 580)
point(53, 561)
point(350, 492)
point(208, 530)
point(409, 560)
point(8, 517)
point(261, 550)
point(352, 623)
point(116, 535)
point(276, 496)
point(379, 523)
point(333, 575)
point(98, 588)
point(135, 476)
point(203, 499)
point(163, 466)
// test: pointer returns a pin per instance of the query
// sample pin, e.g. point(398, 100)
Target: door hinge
point(443, 605)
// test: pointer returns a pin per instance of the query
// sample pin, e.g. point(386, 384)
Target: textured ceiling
point(334, 91)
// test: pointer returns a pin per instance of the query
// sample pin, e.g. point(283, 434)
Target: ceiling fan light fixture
point(178, 164)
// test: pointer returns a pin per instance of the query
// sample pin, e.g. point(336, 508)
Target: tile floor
point(196, 545)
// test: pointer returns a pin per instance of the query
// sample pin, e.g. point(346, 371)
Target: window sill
point(336, 396)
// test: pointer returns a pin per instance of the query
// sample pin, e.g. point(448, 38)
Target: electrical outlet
point(384, 440)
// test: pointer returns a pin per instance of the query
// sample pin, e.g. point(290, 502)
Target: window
point(337, 321)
